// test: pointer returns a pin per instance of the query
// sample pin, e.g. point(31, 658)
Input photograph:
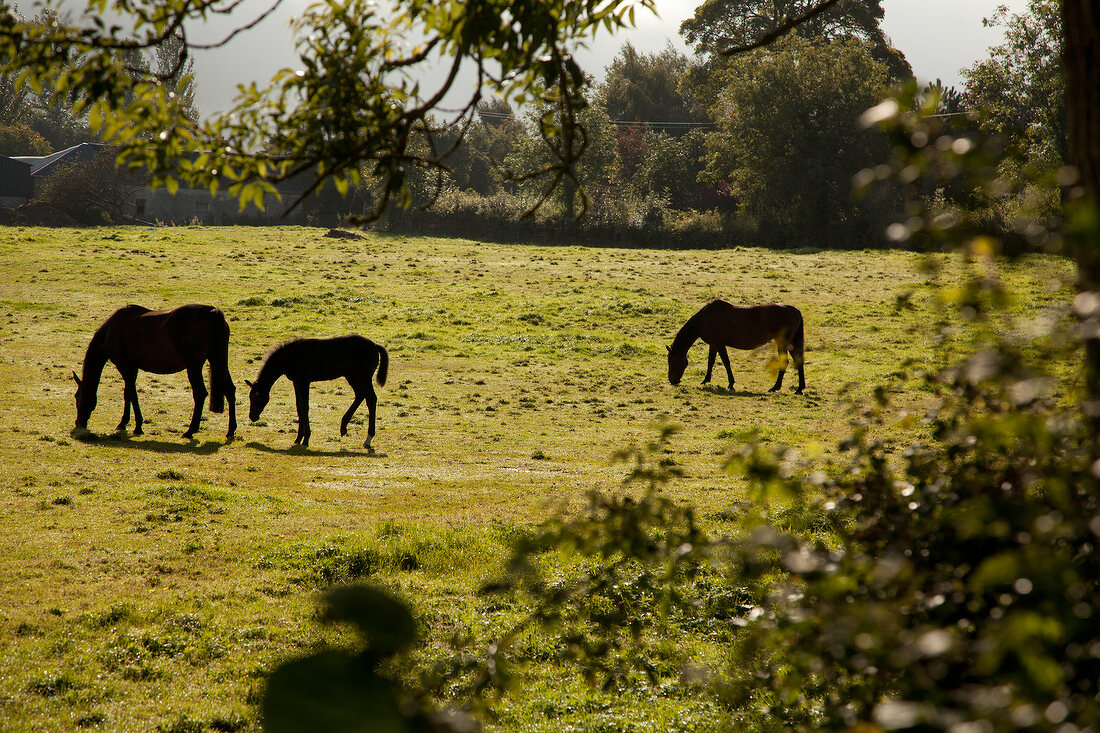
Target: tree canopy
point(718, 25)
point(780, 111)
point(647, 88)
point(1019, 87)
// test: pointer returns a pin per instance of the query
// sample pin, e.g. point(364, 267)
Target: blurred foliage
point(48, 115)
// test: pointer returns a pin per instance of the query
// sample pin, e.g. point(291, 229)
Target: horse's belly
point(735, 341)
point(316, 373)
point(748, 344)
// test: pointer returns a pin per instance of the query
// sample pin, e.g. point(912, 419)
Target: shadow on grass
point(811, 399)
point(125, 440)
point(726, 392)
point(297, 450)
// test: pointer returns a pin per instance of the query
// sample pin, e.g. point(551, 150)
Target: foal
point(317, 360)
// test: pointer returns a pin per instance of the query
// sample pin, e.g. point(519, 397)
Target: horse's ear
point(249, 383)
point(76, 379)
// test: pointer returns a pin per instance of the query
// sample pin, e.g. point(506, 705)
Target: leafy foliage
point(783, 108)
point(721, 24)
point(94, 192)
point(20, 139)
point(351, 105)
point(1019, 88)
point(720, 28)
point(641, 87)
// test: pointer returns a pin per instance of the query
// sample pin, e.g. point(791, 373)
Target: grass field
point(150, 583)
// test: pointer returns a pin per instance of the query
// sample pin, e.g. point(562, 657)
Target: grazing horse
point(162, 342)
point(721, 324)
point(317, 360)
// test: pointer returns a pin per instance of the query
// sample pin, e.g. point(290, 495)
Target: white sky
point(938, 37)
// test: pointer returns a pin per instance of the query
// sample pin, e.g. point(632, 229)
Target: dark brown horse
point(318, 360)
point(162, 342)
point(721, 324)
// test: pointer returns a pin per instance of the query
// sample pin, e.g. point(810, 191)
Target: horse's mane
point(275, 348)
point(689, 332)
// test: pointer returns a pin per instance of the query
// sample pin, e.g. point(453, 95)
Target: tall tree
point(721, 28)
point(173, 65)
point(788, 141)
point(1081, 57)
point(640, 87)
point(1019, 87)
point(720, 25)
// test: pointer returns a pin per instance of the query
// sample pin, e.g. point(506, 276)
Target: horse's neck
point(95, 358)
point(273, 368)
point(686, 336)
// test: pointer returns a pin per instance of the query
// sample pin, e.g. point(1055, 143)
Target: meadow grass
point(151, 583)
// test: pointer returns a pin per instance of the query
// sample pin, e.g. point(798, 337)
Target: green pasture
point(151, 583)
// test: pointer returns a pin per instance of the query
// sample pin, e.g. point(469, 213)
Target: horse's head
point(257, 400)
point(85, 401)
point(677, 363)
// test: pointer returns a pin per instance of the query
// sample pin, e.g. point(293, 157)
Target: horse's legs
point(231, 397)
point(783, 366)
point(351, 411)
point(710, 363)
point(799, 361)
point(301, 398)
point(372, 403)
point(129, 396)
point(726, 361)
point(199, 392)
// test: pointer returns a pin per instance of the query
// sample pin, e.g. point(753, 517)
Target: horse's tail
point(219, 359)
point(798, 343)
point(383, 365)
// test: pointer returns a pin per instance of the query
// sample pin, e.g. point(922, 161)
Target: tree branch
point(785, 27)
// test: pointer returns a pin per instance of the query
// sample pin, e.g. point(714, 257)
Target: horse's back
point(166, 341)
point(748, 326)
point(322, 359)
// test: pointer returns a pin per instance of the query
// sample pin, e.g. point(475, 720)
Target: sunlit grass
point(155, 581)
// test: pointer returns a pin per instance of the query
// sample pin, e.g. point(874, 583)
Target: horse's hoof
point(366, 443)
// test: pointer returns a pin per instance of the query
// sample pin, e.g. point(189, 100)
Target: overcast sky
point(938, 37)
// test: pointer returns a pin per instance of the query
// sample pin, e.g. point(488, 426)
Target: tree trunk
point(1081, 24)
